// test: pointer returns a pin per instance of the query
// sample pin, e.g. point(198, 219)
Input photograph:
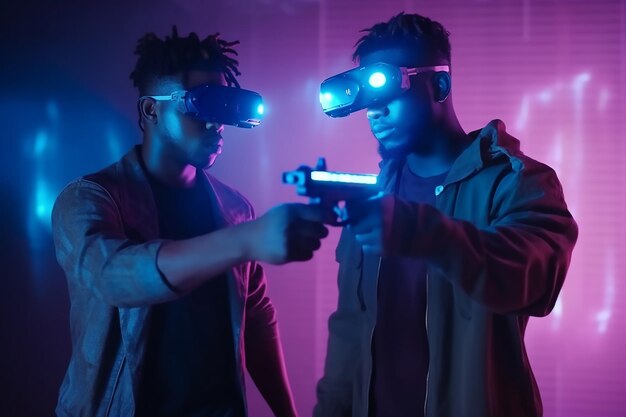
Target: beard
point(207, 163)
point(417, 146)
point(394, 153)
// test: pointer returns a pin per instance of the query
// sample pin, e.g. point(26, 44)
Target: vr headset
point(220, 104)
point(367, 86)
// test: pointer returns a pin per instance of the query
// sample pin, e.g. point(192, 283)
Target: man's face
point(189, 140)
point(401, 125)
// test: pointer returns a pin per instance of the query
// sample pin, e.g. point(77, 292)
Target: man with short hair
point(438, 277)
point(168, 302)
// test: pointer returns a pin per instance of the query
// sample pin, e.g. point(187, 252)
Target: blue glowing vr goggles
point(220, 104)
point(367, 86)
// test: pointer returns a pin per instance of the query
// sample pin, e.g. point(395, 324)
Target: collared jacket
point(498, 245)
point(106, 234)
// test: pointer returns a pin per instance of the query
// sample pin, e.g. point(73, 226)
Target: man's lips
point(215, 141)
point(380, 127)
point(382, 131)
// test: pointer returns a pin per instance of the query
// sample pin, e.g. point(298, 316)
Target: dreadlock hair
point(173, 55)
point(410, 30)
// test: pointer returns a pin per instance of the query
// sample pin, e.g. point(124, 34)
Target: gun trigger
point(341, 213)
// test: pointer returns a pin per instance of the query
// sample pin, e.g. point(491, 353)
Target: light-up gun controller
point(331, 188)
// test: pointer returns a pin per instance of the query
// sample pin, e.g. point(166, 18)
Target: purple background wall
point(554, 70)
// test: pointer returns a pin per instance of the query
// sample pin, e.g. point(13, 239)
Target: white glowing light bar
point(341, 177)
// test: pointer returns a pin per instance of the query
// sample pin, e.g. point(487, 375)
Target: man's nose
point(377, 112)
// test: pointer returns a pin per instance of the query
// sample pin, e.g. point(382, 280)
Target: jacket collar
point(490, 143)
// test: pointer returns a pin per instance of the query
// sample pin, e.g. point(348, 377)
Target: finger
point(333, 216)
point(299, 256)
point(358, 209)
point(354, 211)
point(375, 250)
point(371, 238)
point(312, 244)
point(302, 249)
point(311, 212)
point(366, 224)
point(304, 228)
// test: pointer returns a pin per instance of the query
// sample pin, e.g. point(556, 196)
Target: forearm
point(509, 270)
point(513, 267)
point(186, 264)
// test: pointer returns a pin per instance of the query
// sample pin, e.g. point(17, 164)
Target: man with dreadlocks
point(168, 301)
point(438, 277)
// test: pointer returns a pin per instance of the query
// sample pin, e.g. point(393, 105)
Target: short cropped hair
point(410, 30)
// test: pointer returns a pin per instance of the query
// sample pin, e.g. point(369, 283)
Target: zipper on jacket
point(359, 293)
point(369, 380)
point(117, 380)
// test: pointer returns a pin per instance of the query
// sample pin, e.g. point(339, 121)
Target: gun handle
point(340, 213)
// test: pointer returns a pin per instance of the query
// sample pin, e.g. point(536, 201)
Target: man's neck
point(447, 144)
point(166, 169)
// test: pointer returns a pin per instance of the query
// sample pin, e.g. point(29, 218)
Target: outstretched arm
point(93, 248)
point(517, 265)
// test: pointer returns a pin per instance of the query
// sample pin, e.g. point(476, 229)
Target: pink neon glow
point(554, 72)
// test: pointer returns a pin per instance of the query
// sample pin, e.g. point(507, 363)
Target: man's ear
point(147, 110)
point(442, 83)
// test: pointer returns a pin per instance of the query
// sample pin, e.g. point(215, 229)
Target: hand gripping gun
point(331, 188)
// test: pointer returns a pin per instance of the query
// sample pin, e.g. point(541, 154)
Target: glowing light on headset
point(377, 79)
point(260, 109)
point(325, 97)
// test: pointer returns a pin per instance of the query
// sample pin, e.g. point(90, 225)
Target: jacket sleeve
point(335, 388)
point(518, 264)
point(95, 253)
point(263, 348)
point(264, 353)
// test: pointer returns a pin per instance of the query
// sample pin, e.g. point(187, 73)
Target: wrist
point(244, 237)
